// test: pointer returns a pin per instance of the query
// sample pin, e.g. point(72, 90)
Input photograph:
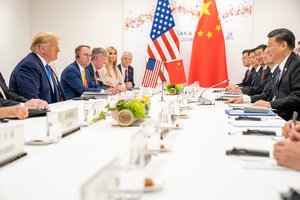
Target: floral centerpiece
point(174, 89)
point(130, 109)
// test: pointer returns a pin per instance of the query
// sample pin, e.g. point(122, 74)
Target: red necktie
point(247, 74)
point(263, 73)
point(126, 75)
point(97, 77)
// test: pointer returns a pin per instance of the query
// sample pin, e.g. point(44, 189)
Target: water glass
point(127, 179)
point(54, 126)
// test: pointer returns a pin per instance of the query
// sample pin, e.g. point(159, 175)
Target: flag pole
point(162, 86)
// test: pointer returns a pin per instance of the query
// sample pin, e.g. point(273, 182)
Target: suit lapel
point(286, 67)
point(44, 70)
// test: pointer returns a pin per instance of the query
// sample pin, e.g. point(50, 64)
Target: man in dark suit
point(99, 55)
point(262, 74)
point(297, 50)
point(246, 63)
point(286, 94)
point(75, 78)
point(6, 94)
point(127, 70)
point(33, 76)
point(249, 74)
point(283, 94)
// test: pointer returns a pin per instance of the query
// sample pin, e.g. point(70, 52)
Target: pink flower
point(114, 114)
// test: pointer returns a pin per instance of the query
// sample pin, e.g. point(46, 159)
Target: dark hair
point(251, 51)
point(246, 51)
point(281, 35)
point(261, 46)
point(299, 42)
point(78, 49)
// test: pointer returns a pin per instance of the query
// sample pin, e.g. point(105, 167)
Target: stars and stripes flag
point(164, 44)
point(151, 73)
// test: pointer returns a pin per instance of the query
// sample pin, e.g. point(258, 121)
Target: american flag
point(151, 73)
point(164, 43)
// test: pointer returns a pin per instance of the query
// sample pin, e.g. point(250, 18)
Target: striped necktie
point(126, 75)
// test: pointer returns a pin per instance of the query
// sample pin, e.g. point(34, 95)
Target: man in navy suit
point(75, 78)
point(6, 94)
point(127, 70)
point(33, 77)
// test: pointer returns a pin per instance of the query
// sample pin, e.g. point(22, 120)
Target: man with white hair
point(127, 70)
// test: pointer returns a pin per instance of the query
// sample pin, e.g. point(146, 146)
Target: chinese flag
point(208, 60)
point(176, 71)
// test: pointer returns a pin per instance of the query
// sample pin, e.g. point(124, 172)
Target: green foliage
point(178, 87)
point(102, 115)
point(139, 107)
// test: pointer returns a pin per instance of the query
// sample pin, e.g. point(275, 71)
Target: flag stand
point(162, 86)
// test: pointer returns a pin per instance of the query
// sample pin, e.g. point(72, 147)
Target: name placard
point(68, 120)
point(11, 143)
point(62, 123)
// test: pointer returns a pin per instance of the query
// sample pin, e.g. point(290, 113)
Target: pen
point(295, 116)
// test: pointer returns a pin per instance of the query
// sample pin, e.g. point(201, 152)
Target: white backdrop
point(102, 23)
point(236, 19)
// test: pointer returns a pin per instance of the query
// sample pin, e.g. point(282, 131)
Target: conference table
point(194, 167)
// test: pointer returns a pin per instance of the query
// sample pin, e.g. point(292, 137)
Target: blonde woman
point(110, 74)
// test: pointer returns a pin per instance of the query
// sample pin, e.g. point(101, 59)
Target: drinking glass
point(126, 181)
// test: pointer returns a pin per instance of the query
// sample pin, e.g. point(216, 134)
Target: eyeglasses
point(87, 55)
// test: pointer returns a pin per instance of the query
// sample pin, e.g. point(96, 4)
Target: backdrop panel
point(235, 16)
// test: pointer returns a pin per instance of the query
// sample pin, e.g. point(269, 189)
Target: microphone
point(205, 101)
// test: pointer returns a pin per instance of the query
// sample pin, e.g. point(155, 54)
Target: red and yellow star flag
point(176, 71)
point(208, 60)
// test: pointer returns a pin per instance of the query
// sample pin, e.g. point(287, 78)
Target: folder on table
point(239, 112)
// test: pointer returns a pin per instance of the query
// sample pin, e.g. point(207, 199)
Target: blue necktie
point(276, 82)
point(49, 75)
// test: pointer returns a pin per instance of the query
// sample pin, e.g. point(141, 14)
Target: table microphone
point(204, 101)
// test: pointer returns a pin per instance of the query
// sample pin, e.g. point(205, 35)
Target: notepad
point(232, 112)
point(274, 123)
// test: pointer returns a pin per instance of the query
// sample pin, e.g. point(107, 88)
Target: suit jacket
point(5, 102)
point(288, 99)
point(258, 86)
point(130, 77)
point(29, 79)
point(71, 81)
point(91, 71)
point(267, 93)
point(250, 81)
point(10, 95)
point(245, 80)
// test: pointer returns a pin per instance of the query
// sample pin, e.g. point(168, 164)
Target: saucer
point(43, 141)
